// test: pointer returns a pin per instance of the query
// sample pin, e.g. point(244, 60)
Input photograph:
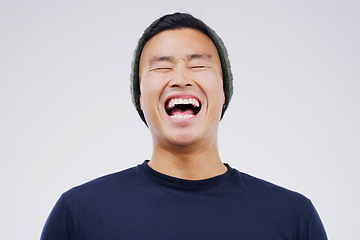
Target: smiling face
point(181, 88)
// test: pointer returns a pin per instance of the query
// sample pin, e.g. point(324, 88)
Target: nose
point(180, 78)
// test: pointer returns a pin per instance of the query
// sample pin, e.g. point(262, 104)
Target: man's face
point(181, 87)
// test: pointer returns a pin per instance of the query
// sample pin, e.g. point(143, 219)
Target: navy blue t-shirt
point(140, 203)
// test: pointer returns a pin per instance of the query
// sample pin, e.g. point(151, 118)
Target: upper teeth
point(176, 101)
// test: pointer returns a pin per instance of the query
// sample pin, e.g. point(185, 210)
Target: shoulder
point(271, 193)
point(293, 210)
point(102, 186)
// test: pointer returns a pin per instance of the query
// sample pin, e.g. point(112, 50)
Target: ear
point(224, 98)
point(140, 102)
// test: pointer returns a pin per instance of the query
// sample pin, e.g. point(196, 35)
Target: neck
point(188, 162)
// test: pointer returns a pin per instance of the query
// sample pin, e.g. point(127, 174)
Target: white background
point(66, 115)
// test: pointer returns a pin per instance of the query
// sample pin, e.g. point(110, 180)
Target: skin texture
point(182, 63)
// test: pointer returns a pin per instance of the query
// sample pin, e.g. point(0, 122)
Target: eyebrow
point(199, 56)
point(157, 59)
point(189, 57)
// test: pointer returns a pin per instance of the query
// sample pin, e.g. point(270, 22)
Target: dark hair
point(172, 22)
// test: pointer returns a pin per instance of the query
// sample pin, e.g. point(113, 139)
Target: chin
point(183, 140)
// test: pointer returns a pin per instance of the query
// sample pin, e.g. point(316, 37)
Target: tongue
point(180, 112)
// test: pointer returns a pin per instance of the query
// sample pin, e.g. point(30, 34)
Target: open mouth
point(180, 108)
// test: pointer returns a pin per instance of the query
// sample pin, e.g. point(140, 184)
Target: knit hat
point(172, 22)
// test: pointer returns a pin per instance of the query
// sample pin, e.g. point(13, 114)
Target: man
point(181, 86)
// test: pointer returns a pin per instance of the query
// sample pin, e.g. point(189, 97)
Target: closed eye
point(199, 67)
point(161, 69)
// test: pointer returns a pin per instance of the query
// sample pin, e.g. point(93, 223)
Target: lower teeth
point(181, 117)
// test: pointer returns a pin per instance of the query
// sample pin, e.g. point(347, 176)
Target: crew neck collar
point(191, 185)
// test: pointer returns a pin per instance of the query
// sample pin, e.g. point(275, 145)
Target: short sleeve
point(60, 224)
point(314, 229)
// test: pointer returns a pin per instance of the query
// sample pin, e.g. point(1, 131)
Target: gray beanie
point(172, 22)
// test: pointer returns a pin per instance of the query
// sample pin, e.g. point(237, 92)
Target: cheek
point(150, 92)
point(214, 86)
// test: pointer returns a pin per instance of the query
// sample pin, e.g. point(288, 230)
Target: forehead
point(179, 43)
